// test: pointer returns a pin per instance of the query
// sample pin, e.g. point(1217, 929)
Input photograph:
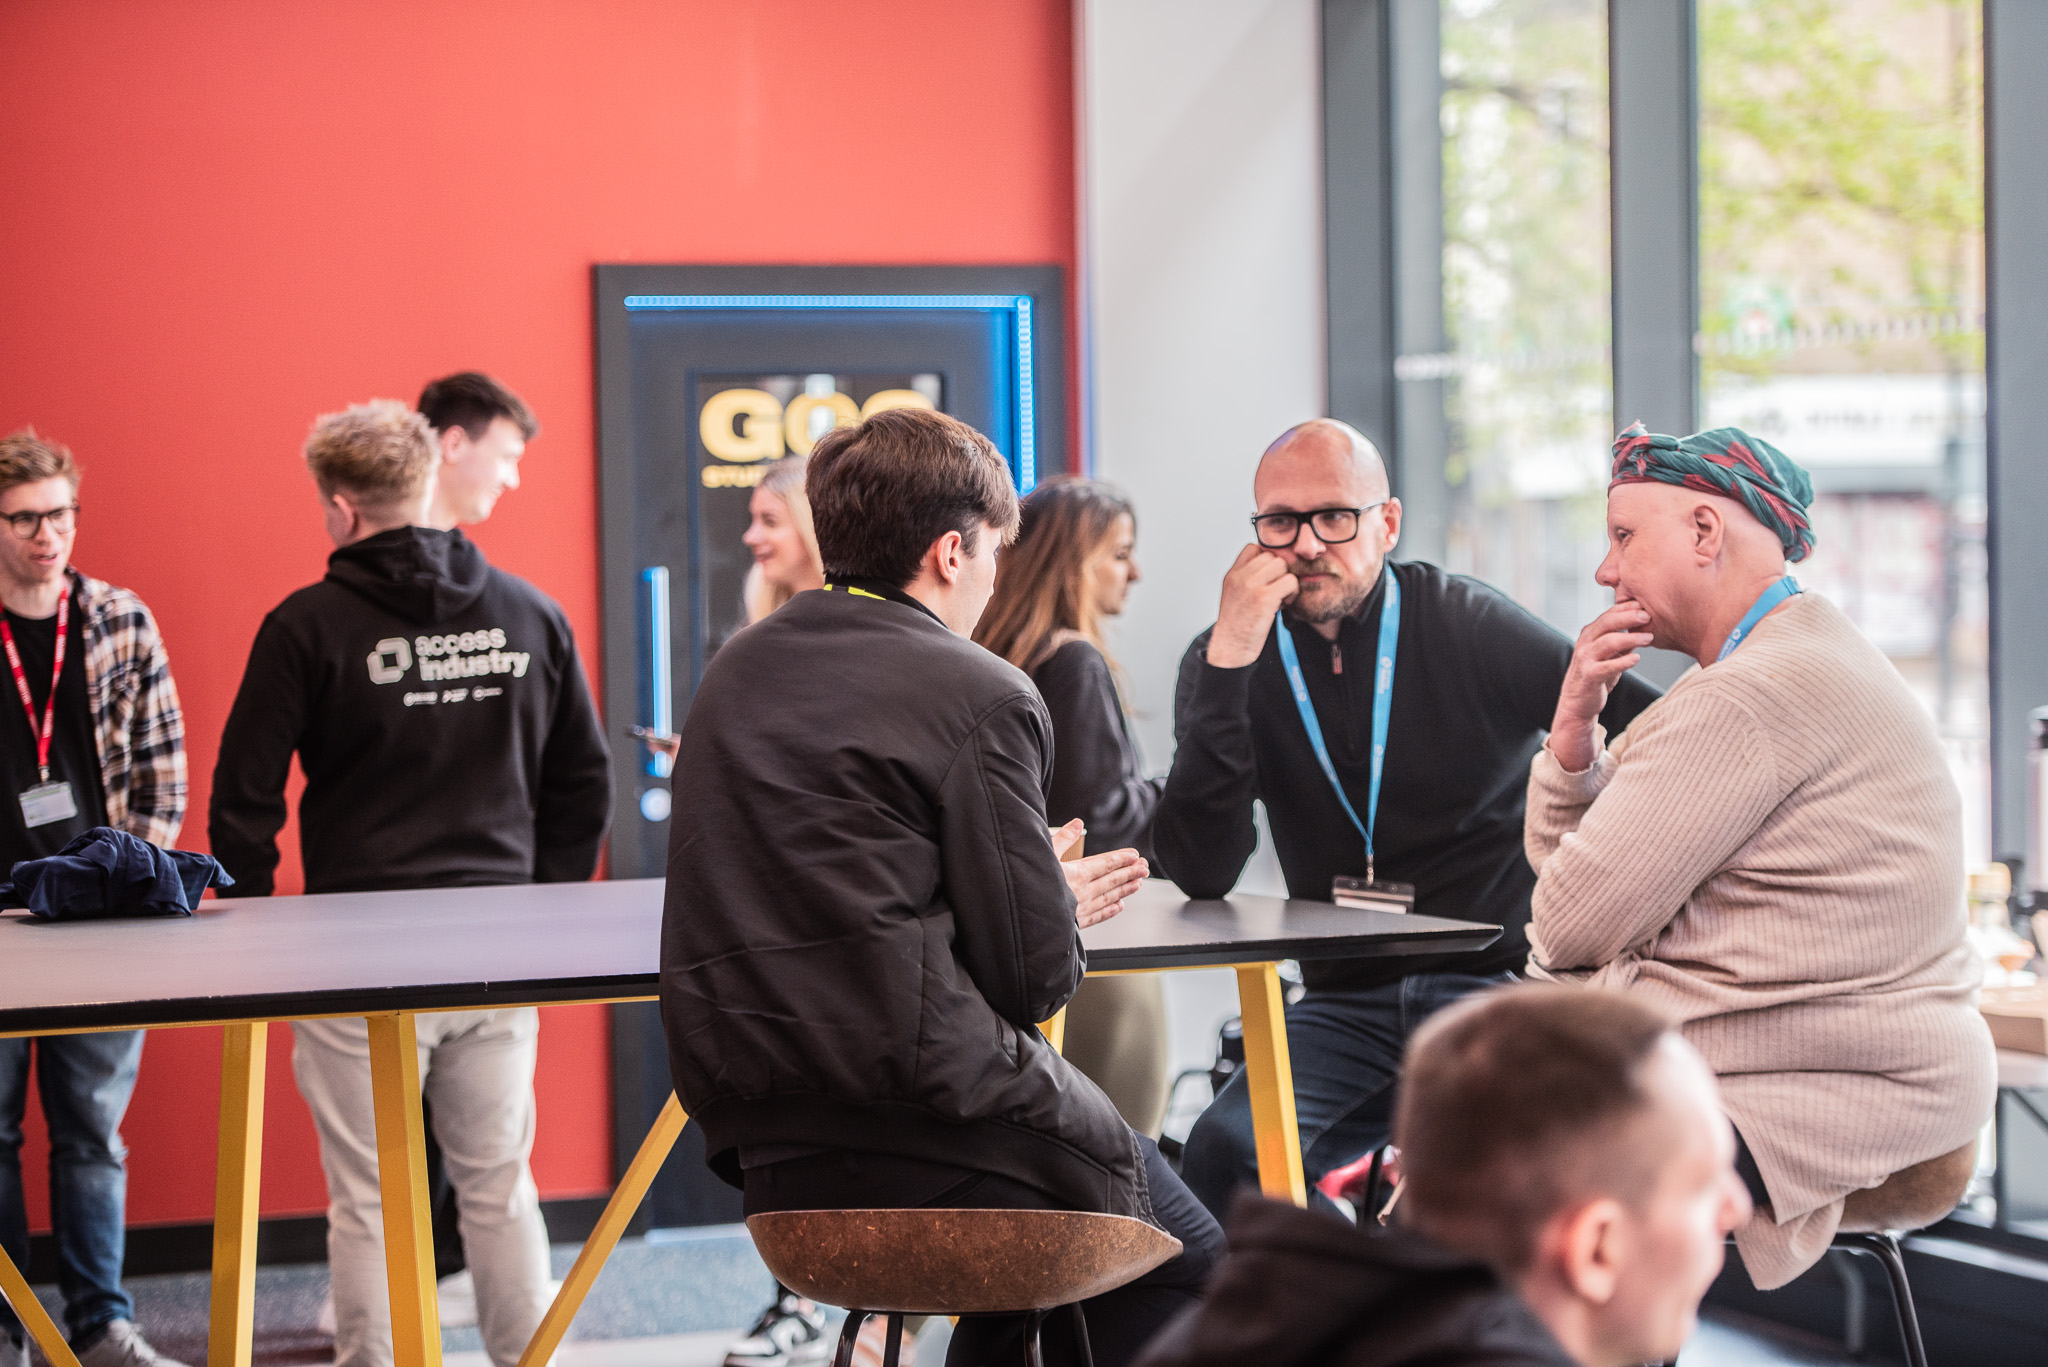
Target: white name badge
point(1373, 896)
point(47, 802)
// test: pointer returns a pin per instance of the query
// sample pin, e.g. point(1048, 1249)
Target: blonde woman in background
point(1071, 568)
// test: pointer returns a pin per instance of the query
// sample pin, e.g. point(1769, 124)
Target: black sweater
point(440, 713)
point(1476, 681)
point(1096, 773)
point(864, 919)
point(1306, 1289)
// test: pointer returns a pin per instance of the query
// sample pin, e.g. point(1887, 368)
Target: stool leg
point(1033, 1355)
point(854, 1320)
point(1885, 1249)
point(893, 1348)
point(1084, 1353)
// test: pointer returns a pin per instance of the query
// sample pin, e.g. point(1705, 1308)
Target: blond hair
point(26, 458)
point(785, 480)
point(379, 453)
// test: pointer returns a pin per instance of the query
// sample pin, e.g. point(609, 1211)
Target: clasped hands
point(1100, 882)
point(1608, 646)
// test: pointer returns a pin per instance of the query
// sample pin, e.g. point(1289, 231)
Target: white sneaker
point(790, 1333)
point(456, 1293)
point(122, 1345)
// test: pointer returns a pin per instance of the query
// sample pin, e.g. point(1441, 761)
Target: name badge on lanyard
point(1368, 893)
point(47, 802)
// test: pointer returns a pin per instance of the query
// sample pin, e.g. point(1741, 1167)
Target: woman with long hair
point(785, 547)
point(1069, 571)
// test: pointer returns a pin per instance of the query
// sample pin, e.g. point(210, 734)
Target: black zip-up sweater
point(440, 713)
point(1476, 680)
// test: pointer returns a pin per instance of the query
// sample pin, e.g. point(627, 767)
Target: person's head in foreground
point(482, 429)
point(374, 466)
point(1073, 565)
point(915, 501)
point(1574, 1141)
point(1326, 511)
point(781, 539)
point(1698, 527)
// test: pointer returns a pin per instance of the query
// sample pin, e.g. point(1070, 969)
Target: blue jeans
point(1346, 1048)
point(85, 1082)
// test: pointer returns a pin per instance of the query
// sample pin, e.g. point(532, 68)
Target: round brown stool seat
point(955, 1262)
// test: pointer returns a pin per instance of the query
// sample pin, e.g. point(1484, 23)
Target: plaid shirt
point(137, 724)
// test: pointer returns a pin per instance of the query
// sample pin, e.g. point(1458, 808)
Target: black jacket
point(440, 713)
point(1304, 1287)
point(1096, 773)
point(1476, 680)
point(865, 920)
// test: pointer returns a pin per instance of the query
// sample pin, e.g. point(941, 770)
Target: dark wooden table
point(387, 956)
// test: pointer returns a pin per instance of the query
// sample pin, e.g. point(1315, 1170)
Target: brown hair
point(884, 490)
point(379, 453)
point(1510, 1109)
point(26, 458)
point(784, 479)
point(472, 401)
point(1042, 590)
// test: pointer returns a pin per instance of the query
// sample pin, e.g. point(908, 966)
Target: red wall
point(220, 219)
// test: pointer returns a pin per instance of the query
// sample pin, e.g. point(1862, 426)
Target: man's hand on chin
point(1100, 882)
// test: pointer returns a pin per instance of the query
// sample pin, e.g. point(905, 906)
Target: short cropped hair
point(26, 458)
point(472, 401)
point(882, 491)
point(1516, 1104)
point(378, 453)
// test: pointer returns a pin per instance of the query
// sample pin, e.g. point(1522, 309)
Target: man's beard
point(1334, 601)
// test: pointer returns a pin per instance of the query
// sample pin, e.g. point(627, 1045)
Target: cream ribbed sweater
point(1773, 853)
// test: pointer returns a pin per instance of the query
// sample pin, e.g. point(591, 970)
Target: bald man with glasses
point(1387, 724)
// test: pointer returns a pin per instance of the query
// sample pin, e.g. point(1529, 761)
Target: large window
point(1528, 395)
point(1842, 305)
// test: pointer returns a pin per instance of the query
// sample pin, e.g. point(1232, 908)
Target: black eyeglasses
point(1332, 526)
point(28, 526)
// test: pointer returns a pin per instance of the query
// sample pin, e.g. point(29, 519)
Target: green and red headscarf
point(1729, 462)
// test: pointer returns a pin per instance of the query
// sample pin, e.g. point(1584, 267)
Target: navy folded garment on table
point(106, 872)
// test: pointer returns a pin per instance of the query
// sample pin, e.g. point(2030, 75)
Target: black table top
point(351, 953)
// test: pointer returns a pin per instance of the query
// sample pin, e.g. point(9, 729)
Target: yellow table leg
point(402, 1177)
point(235, 1188)
point(1270, 1076)
point(33, 1317)
point(1055, 1031)
point(618, 1213)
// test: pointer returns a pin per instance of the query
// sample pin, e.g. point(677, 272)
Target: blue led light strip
point(1018, 306)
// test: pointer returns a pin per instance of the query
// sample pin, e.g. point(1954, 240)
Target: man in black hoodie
point(866, 915)
point(1568, 1186)
point(439, 711)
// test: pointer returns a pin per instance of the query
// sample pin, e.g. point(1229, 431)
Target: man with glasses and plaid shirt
point(96, 739)
point(1387, 725)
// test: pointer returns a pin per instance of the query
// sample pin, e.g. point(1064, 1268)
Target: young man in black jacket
point(1568, 1188)
point(866, 914)
point(439, 710)
point(1432, 759)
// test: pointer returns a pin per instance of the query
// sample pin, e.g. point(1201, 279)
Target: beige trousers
point(476, 1068)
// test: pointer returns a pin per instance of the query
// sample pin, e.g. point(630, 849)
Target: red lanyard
point(28, 704)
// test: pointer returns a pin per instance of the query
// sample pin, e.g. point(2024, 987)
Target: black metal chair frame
point(1885, 1248)
point(893, 1347)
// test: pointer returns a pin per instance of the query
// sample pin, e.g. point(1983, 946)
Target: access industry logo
point(463, 655)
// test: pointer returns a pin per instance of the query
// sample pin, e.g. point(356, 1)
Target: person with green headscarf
point(1772, 853)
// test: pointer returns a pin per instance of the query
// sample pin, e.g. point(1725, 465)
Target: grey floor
point(674, 1299)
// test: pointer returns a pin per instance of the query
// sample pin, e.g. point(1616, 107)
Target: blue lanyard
point(1772, 596)
point(1382, 705)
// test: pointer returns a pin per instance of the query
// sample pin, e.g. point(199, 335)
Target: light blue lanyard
point(1772, 596)
point(1382, 705)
